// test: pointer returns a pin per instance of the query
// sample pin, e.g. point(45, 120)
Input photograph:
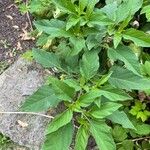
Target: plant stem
point(28, 113)
point(136, 139)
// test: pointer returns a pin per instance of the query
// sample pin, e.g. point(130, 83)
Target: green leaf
point(41, 100)
point(121, 118)
point(127, 8)
point(65, 5)
point(78, 45)
point(146, 10)
point(110, 10)
point(90, 7)
point(146, 67)
point(105, 110)
point(89, 64)
point(143, 129)
point(125, 54)
point(60, 139)
point(119, 134)
point(102, 135)
point(61, 89)
point(59, 121)
point(128, 145)
point(87, 98)
point(117, 39)
point(104, 79)
point(83, 4)
point(125, 79)
point(73, 83)
point(81, 138)
point(53, 27)
point(138, 37)
point(92, 42)
point(114, 94)
point(98, 18)
point(46, 59)
point(72, 21)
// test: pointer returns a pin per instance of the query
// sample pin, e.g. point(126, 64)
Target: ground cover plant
point(99, 51)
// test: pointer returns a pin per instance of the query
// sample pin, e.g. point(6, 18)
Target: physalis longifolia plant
point(97, 51)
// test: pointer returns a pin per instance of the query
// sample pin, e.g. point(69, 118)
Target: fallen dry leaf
point(9, 17)
point(22, 124)
point(25, 36)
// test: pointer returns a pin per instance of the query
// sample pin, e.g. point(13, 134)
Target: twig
point(28, 113)
point(28, 16)
point(137, 139)
point(142, 138)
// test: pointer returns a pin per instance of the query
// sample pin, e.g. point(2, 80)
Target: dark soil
point(13, 29)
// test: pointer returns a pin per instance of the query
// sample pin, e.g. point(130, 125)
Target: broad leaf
point(73, 83)
point(125, 79)
point(114, 94)
point(128, 145)
point(60, 139)
point(83, 4)
point(125, 54)
point(61, 89)
point(121, 118)
point(81, 138)
point(138, 37)
point(98, 18)
point(41, 100)
point(59, 121)
point(46, 59)
point(110, 10)
point(119, 133)
point(102, 135)
point(54, 27)
point(78, 45)
point(89, 64)
point(90, 7)
point(146, 10)
point(87, 98)
point(65, 5)
point(105, 110)
point(143, 129)
point(72, 21)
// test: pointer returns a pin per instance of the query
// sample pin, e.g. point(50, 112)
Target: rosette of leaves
point(97, 69)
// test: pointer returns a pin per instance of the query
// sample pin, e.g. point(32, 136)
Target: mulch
point(13, 32)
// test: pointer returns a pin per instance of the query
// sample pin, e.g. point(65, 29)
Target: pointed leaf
point(89, 64)
point(41, 100)
point(46, 59)
point(121, 118)
point(125, 54)
point(60, 139)
point(53, 27)
point(114, 94)
point(105, 110)
point(59, 121)
point(61, 89)
point(81, 138)
point(138, 37)
point(78, 45)
point(102, 135)
point(65, 5)
point(125, 79)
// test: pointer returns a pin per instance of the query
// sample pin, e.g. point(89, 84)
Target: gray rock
point(20, 80)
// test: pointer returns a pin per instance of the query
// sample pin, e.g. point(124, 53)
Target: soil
point(13, 40)
point(13, 33)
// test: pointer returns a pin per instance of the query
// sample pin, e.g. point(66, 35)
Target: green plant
point(97, 55)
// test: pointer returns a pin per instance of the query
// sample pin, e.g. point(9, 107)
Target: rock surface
point(16, 83)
